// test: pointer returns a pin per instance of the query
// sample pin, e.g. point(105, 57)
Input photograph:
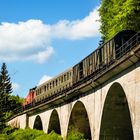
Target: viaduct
point(104, 108)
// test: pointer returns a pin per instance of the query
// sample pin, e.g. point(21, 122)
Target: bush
point(27, 134)
point(75, 135)
point(50, 136)
point(8, 130)
point(3, 137)
point(33, 134)
point(30, 134)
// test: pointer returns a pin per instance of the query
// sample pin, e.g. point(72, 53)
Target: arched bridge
point(106, 108)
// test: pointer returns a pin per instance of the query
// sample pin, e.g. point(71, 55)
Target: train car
point(86, 67)
point(90, 66)
point(103, 56)
point(54, 86)
point(29, 98)
point(122, 42)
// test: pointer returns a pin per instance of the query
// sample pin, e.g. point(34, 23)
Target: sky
point(39, 39)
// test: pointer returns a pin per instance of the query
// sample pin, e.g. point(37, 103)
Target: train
point(104, 56)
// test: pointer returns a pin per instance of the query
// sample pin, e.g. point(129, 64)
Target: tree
point(117, 15)
point(5, 87)
point(5, 91)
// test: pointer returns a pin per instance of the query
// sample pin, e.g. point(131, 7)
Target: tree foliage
point(5, 91)
point(28, 134)
point(117, 15)
point(9, 104)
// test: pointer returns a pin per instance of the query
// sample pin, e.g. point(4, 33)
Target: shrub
point(75, 135)
point(3, 137)
point(32, 134)
point(8, 130)
point(27, 134)
point(50, 136)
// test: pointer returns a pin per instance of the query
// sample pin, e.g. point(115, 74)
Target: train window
point(91, 64)
point(50, 85)
point(53, 84)
point(65, 77)
point(96, 59)
point(81, 70)
point(110, 49)
point(62, 79)
point(45, 88)
point(108, 52)
point(70, 74)
point(59, 80)
point(56, 82)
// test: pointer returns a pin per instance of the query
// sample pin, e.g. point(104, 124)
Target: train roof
point(55, 77)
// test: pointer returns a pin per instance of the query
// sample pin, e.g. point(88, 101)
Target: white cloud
point(24, 41)
point(44, 79)
point(15, 86)
point(78, 29)
point(31, 40)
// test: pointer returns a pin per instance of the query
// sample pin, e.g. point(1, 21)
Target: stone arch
point(54, 123)
point(116, 121)
point(38, 123)
point(79, 120)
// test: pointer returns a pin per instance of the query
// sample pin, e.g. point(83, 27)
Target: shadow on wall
point(116, 122)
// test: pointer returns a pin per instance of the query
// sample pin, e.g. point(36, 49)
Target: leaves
point(28, 134)
point(117, 15)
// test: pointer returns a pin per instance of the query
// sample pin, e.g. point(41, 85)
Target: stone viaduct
point(108, 108)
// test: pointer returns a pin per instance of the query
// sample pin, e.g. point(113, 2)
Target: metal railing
point(104, 65)
point(119, 53)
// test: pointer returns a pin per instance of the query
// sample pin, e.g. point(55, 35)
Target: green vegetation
point(118, 15)
point(9, 133)
point(9, 104)
point(75, 135)
point(28, 134)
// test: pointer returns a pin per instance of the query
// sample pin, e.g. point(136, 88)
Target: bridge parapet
point(20, 121)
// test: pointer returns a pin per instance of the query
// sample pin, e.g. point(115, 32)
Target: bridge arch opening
point(54, 123)
point(79, 121)
point(38, 123)
point(116, 121)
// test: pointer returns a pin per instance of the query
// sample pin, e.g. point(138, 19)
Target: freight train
point(97, 61)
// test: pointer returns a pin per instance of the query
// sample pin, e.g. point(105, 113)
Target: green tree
point(117, 15)
point(15, 104)
point(5, 87)
point(9, 104)
point(5, 91)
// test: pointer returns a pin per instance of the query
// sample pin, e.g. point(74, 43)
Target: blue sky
point(42, 38)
